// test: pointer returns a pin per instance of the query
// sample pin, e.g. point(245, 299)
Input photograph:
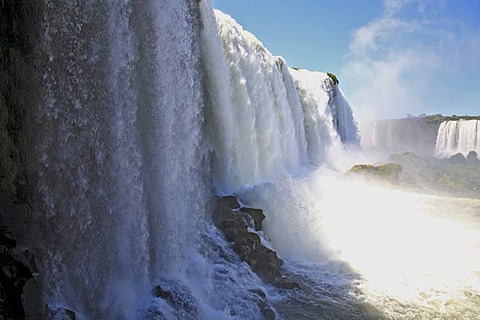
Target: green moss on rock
point(389, 171)
point(333, 77)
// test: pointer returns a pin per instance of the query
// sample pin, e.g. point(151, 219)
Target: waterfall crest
point(146, 108)
point(266, 121)
point(328, 118)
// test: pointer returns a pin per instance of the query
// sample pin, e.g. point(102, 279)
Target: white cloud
point(394, 59)
point(392, 7)
point(372, 36)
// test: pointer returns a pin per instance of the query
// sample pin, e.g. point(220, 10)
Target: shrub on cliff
point(333, 77)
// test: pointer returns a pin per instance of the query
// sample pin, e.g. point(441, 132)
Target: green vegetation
point(333, 77)
point(456, 175)
point(440, 118)
point(388, 172)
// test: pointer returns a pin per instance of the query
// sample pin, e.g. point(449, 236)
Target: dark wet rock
point(13, 276)
point(265, 307)
point(257, 216)
point(457, 159)
point(20, 296)
point(59, 313)
point(263, 261)
point(231, 202)
point(268, 313)
point(179, 297)
point(472, 158)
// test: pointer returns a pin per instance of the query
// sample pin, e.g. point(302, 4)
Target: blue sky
point(393, 57)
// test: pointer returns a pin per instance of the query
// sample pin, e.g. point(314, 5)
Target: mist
point(415, 58)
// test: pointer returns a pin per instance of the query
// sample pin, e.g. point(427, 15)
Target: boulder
point(472, 158)
point(179, 297)
point(257, 216)
point(265, 308)
point(231, 202)
point(457, 158)
point(263, 261)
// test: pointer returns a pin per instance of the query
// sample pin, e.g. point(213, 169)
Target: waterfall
point(256, 130)
point(416, 134)
point(145, 109)
point(461, 136)
point(120, 196)
point(266, 119)
point(328, 118)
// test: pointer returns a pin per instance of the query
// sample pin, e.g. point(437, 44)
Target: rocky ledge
point(234, 220)
point(388, 172)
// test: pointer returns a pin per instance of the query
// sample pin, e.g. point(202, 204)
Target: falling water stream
point(148, 108)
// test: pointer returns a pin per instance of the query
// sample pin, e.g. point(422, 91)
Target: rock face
point(13, 276)
point(18, 290)
point(263, 261)
point(18, 87)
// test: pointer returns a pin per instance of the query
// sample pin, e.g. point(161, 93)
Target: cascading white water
point(121, 198)
point(382, 134)
point(328, 118)
point(461, 136)
point(265, 122)
point(135, 95)
point(364, 251)
point(256, 130)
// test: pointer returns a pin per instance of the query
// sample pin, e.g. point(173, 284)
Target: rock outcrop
point(263, 261)
point(179, 297)
point(389, 172)
point(13, 276)
point(256, 215)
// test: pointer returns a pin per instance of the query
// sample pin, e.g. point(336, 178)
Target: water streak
point(461, 136)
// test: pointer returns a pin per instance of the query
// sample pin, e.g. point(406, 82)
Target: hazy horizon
point(392, 57)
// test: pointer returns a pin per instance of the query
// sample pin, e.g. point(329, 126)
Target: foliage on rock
point(455, 175)
point(389, 171)
point(333, 77)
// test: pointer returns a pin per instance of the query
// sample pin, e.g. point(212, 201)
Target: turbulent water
point(367, 252)
point(147, 109)
point(461, 136)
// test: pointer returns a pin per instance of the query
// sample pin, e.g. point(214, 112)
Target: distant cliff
point(415, 134)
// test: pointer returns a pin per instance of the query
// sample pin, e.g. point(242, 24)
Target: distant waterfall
point(401, 135)
point(461, 136)
point(265, 121)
